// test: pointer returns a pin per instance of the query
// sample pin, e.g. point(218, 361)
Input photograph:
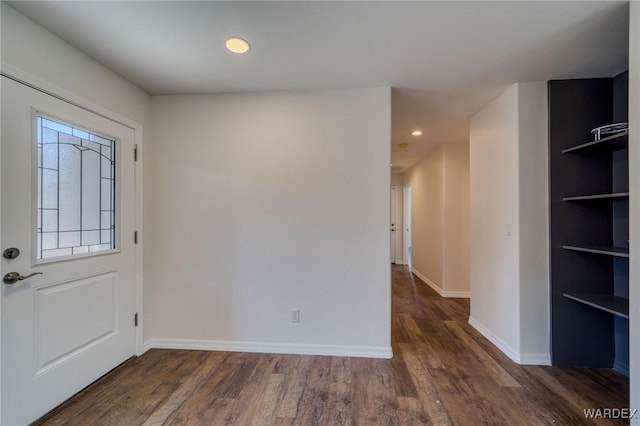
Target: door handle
point(14, 277)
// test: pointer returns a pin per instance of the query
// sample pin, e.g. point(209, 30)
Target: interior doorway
point(407, 225)
point(396, 226)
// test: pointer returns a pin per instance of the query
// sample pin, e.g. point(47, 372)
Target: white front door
point(68, 207)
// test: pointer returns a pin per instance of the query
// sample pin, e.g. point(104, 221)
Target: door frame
point(406, 222)
point(396, 239)
point(57, 92)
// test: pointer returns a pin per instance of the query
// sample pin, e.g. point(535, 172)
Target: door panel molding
point(54, 343)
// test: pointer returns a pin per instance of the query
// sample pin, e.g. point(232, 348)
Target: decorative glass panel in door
point(76, 191)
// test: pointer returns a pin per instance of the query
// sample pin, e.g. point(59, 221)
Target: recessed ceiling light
point(403, 145)
point(416, 133)
point(237, 45)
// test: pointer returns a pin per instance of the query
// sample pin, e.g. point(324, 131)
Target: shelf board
point(611, 143)
point(605, 302)
point(612, 196)
point(607, 250)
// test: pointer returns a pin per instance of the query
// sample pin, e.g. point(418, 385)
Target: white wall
point(397, 179)
point(534, 220)
point(495, 294)
point(256, 220)
point(427, 215)
point(634, 206)
point(456, 219)
point(509, 223)
point(31, 48)
point(440, 215)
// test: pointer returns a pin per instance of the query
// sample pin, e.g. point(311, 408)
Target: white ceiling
point(445, 60)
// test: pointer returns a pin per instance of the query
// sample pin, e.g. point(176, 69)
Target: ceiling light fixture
point(403, 145)
point(416, 133)
point(237, 45)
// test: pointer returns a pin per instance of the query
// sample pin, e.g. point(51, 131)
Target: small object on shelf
point(609, 130)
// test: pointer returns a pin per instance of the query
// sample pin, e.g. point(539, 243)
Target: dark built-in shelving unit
point(589, 218)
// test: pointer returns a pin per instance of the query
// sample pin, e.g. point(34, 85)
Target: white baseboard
point(498, 342)
point(517, 357)
point(535, 359)
point(441, 292)
point(456, 294)
point(272, 348)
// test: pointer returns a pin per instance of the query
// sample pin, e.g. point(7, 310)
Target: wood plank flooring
point(443, 373)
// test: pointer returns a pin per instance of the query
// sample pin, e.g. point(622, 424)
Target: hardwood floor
point(443, 372)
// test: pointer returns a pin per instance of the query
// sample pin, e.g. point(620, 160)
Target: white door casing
point(396, 226)
point(392, 235)
point(407, 224)
point(65, 328)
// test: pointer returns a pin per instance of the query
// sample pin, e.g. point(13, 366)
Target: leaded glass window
point(76, 190)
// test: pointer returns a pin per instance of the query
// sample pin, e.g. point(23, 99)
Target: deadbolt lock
point(11, 253)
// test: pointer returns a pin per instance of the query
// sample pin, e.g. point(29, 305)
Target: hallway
point(443, 372)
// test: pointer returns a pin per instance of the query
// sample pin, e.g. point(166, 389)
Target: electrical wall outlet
point(295, 315)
